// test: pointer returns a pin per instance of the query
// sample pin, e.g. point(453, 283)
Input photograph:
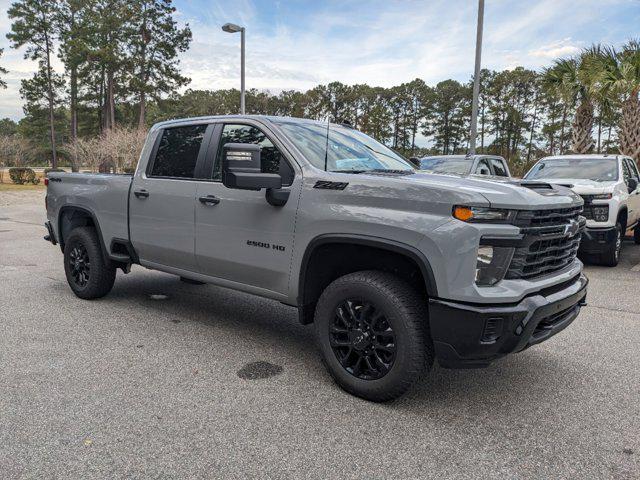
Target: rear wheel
point(88, 275)
point(611, 256)
point(373, 333)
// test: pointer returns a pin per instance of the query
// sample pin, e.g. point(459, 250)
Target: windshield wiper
point(374, 170)
point(390, 170)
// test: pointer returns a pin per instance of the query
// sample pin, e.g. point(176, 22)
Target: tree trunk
point(629, 128)
point(111, 104)
point(562, 125)
point(599, 131)
point(581, 133)
point(73, 107)
point(533, 128)
point(143, 108)
point(482, 115)
point(52, 129)
point(552, 136)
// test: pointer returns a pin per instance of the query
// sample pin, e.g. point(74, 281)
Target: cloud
point(551, 51)
point(298, 44)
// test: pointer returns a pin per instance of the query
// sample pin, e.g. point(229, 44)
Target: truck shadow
point(264, 325)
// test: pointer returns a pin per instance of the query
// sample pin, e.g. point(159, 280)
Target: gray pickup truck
point(395, 268)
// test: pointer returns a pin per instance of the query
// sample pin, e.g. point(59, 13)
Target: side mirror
point(241, 168)
point(415, 161)
point(484, 171)
point(632, 183)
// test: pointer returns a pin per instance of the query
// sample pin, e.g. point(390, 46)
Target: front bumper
point(597, 240)
point(472, 336)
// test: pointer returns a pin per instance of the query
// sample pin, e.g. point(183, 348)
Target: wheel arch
point(623, 218)
point(309, 289)
point(73, 216)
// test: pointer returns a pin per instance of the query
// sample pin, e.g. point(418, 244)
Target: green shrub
point(20, 176)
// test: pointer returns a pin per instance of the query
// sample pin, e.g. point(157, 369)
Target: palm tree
point(619, 80)
point(571, 79)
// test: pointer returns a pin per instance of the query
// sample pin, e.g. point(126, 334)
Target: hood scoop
point(542, 188)
point(535, 185)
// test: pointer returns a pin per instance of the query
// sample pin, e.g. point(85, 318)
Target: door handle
point(209, 200)
point(141, 193)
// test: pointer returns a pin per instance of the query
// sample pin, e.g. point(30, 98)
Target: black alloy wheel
point(362, 340)
point(89, 273)
point(80, 265)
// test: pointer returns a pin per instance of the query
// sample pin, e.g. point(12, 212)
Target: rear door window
point(177, 153)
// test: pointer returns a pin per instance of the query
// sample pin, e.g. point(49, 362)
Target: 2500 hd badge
point(254, 243)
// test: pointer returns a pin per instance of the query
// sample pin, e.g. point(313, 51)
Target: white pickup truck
point(610, 187)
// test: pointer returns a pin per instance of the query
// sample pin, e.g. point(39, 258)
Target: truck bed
point(104, 196)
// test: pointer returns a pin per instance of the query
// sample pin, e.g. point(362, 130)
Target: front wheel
point(88, 275)
point(373, 333)
point(636, 234)
point(611, 256)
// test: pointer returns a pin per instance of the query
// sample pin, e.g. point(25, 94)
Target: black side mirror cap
point(242, 168)
point(632, 184)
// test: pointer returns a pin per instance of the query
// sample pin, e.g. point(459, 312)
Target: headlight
point(481, 214)
point(601, 214)
point(492, 264)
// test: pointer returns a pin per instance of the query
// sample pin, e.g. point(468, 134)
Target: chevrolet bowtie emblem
point(571, 229)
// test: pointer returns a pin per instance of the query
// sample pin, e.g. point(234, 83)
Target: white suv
point(609, 185)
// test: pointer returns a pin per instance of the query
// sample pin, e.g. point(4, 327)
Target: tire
point(636, 234)
point(88, 275)
point(611, 256)
point(389, 332)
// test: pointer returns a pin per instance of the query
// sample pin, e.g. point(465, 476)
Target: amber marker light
point(463, 213)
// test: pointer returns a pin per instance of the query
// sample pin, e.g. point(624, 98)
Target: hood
point(500, 192)
point(582, 186)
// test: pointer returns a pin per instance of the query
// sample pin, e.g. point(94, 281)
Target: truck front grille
point(550, 241)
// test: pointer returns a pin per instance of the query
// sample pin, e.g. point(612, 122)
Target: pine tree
point(34, 26)
point(155, 43)
point(3, 71)
point(72, 25)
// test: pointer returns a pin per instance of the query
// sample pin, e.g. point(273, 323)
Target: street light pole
point(233, 28)
point(242, 71)
point(476, 81)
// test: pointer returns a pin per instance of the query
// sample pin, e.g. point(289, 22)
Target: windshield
point(459, 166)
point(596, 169)
point(348, 150)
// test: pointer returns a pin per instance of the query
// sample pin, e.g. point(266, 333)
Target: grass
point(11, 187)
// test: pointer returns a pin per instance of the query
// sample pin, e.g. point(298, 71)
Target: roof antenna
point(326, 147)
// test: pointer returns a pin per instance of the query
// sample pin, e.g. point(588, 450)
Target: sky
point(298, 44)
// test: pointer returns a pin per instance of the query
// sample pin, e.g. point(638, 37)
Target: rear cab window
point(499, 168)
point(177, 152)
point(483, 167)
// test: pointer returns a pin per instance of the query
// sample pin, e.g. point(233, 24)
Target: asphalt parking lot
point(156, 381)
